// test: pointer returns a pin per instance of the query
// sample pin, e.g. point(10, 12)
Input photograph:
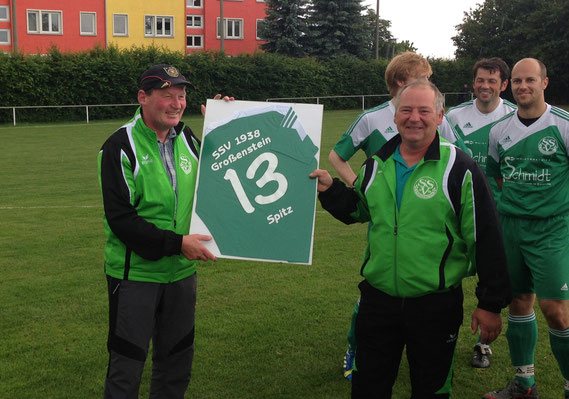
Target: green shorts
point(538, 255)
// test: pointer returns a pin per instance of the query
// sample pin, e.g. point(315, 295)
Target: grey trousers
point(138, 312)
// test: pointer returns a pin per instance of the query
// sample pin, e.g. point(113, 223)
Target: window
point(45, 22)
point(88, 23)
point(194, 41)
point(4, 13)
point(4, 37)
point(194, 3)
point(233, 28)
point(156, 26)
point(259, 26)
point(193, 21)
point(120, 25)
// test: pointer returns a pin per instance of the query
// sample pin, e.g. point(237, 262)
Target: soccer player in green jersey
point(528, 156)
point(472, 121)
point(370, 131)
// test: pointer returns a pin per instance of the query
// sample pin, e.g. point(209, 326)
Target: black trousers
point(427, 326)
point(138, 312)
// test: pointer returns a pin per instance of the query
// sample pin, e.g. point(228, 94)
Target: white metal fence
point(318, 100)
point(459, 95)
point(86, 107)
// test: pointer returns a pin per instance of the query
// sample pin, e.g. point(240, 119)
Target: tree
point(388, 46)
point(337, 29)
point(284, 28)
point(514, 29)
point(326, 29)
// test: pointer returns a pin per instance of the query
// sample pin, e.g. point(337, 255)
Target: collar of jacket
point(388, 149)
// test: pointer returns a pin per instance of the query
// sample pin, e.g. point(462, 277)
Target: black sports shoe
point(481, 357)
point(514, 390)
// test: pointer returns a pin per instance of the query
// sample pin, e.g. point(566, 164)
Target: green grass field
point(263, 330)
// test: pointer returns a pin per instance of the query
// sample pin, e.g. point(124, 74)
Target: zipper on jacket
point(175, 213)
point(396, 212)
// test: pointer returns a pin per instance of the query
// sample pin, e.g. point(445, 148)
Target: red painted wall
point(247, 10)
point(71, 39)
point(6, 25)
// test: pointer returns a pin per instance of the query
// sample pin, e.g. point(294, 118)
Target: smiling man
point(472, 121)
point(370, 131)
point(147, 172)
point(528, 155)
point(428, 202)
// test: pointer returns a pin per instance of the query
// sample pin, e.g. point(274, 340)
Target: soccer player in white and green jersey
point(528, 155)
point(376, 126)
point(472, 121)
point(370, 131)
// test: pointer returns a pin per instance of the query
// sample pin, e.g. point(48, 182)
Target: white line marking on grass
point(61, 125)
point(5, 208)
point(50, 207)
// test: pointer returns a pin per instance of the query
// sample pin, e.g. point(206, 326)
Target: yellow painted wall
point(136, 10)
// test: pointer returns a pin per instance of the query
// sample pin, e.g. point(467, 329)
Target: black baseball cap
point(162, 76)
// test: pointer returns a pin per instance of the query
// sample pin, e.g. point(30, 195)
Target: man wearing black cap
point(147, 172)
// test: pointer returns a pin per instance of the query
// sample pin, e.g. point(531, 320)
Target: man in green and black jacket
point(434, 222)
point(147, 172)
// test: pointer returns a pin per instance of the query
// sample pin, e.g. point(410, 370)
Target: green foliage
point(388, 45)
point(284, 27)
point(93, 76)
point(327, 29)
point(110, 76)
point(450, 76)
point(352, 76)
point(337, 29)
point(515, 29)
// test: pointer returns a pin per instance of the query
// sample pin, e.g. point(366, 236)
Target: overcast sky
point(428, 24)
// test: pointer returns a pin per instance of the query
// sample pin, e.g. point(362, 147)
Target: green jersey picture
point(253, 195)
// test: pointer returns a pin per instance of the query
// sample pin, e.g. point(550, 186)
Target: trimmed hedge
point(110, 76)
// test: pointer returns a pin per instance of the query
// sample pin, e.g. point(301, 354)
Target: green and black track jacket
point(144, 218)
point(447, 225)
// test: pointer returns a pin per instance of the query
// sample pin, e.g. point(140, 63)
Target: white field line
point(2, 207)
point(118, 124)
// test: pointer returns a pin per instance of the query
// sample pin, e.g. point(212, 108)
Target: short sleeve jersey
point(533, 163)
point(474, 126)
point(375, 127)
point(259, 201)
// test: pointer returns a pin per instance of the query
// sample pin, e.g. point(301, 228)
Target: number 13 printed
point(268, 176)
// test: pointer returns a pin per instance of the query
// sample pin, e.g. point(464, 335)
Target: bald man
point(528, 157)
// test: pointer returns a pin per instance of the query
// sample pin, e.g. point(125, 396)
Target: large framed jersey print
point(253, 194)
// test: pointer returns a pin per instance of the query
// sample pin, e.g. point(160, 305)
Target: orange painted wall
point(71, 39)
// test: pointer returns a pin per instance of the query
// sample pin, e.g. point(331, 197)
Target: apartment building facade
point(34, 26)
point(242, 19)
